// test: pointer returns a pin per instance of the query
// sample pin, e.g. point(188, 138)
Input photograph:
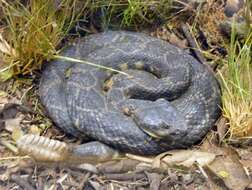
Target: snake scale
point(167, 100)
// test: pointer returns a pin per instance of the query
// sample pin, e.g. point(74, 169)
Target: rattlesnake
point(167, 99)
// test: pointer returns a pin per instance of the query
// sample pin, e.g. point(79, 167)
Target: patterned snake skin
point(168, 100)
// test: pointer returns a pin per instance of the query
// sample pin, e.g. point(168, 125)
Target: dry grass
point(237, 89)
point(209, 17)
point(31, 33)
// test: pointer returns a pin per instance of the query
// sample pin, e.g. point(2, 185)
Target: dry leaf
point(222, 128)
point(177, 157)
point(228, 170)
point(188, 157)
point(155, 180)
point(246, 159)
point(210, 145)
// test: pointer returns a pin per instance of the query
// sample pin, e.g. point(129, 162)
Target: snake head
point(161, 120)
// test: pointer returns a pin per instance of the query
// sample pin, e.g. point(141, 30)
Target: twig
point(86, 167)
point(193, 44)
point(195, 49)
point(202, 171)
point(84, 181)
point(140, 158)
point(14, 157)
point(89, 63)
point(155, 180)
point(9, 146)
point(125, 176)
point(124, 165)
point(19, 107)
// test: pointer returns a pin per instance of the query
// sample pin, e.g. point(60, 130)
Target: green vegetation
point(33, 32)
point(237, 89)
point(131, 13)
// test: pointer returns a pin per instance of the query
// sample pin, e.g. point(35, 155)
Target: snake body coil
point(169, 101)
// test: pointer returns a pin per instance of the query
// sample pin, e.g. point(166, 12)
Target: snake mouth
point(159, 134)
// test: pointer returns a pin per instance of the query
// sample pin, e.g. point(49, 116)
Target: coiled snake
point(169, 100)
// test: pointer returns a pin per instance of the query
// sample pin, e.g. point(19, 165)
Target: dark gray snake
point(169, 100)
